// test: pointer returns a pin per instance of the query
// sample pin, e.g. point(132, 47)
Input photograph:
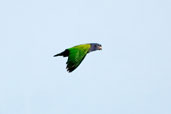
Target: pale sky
point(131, 75)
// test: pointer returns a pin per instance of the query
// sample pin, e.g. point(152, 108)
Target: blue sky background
point(131, 75)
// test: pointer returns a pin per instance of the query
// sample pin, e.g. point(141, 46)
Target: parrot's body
point(77, 53)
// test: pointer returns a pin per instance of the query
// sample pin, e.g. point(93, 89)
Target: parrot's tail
point(64, 53)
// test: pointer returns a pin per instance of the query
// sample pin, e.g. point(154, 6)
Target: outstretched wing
point(76, 56)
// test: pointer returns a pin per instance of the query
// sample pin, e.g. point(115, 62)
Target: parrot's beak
point(100, 47)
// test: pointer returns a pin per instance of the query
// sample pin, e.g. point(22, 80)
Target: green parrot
point(77, 53)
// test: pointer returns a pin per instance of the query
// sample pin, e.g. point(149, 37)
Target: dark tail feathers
point(64, 53)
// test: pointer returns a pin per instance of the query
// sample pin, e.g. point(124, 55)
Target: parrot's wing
point(76, 56)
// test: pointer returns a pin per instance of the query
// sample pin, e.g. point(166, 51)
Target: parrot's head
point(95, 46)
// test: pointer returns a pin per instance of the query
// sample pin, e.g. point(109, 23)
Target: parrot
point(77, 53)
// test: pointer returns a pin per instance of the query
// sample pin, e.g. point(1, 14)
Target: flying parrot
point(77, 53)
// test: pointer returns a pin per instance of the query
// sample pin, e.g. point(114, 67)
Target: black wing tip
point(70, 69)
point(64, 53)
point(55, 55)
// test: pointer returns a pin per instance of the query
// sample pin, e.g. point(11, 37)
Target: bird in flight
point(77, 53)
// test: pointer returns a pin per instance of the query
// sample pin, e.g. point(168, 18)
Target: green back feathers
point(76, 55)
